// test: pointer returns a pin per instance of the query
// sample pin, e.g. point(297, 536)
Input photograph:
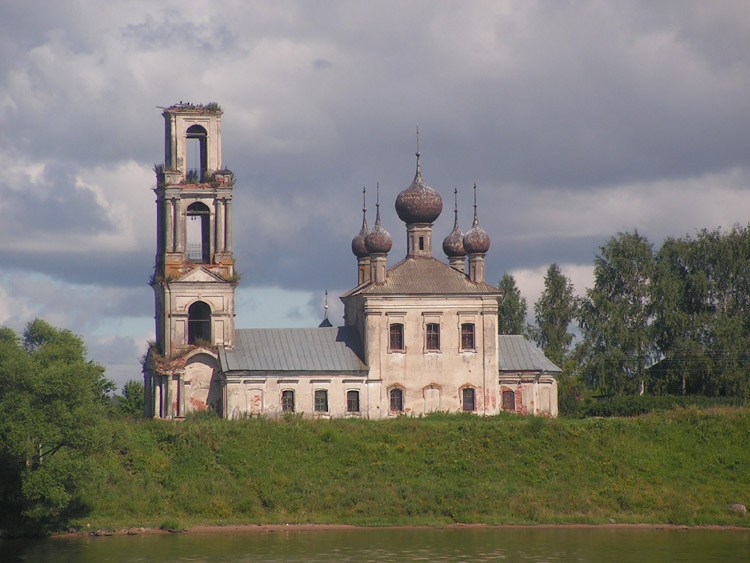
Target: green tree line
point(670, 321)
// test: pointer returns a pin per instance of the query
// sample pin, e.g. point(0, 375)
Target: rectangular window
point(352, 401)
point(397, 337)
point(467, 336)
point(321, 400)
point(287, 401)
point(468, 396)
point(433, 336)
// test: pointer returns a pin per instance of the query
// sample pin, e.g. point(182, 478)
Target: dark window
point(468, 396)
point(352, 401)
point(287, 401)
point(467, 336)
point(197, 153)
point(397, 337)
point(509, 401)
point(397, 400)
point(421, 243)
point(198, 233)
point(199, 323)
point(321, 400)
point(433, 336)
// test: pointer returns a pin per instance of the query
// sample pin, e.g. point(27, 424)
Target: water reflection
point(466, 544)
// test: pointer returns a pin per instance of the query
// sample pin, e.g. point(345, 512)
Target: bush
point(634, 405)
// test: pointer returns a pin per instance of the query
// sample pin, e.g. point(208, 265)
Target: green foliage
point(674, 322)
point(131, 400)
point(702, 314)
point(616, 315)
point(554, 312)
point(633, 405)
point(52, 407)
point(511, 313)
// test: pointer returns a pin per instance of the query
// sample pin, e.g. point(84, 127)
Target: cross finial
point(326, 305)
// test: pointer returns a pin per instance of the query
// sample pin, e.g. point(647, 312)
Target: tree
point(554, 311)
point(52, 406)
point(511, 312)
point(615, 316)
point(702, 314)
point(131, 400)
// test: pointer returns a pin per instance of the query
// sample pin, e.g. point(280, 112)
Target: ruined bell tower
point(194, 278)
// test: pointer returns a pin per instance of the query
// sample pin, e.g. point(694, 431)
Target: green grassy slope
point(684, 466)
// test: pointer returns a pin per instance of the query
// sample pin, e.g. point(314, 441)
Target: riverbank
point(291, 528)
point(684, 467)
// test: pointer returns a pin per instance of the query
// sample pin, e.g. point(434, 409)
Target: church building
point(418, 337)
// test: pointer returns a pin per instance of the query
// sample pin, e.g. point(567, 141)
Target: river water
point(463, 544)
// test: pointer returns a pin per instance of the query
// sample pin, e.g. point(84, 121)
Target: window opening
point(397, 337)
point(468, 396)
point(421, 243)
point(197, 154)
point(509, 401)
point(321, 400)
point(467, 336)
point(352, 401)
point(433, 336)
point(199, 324)
point(287, 401)
point(397, 400)
point(198, 233)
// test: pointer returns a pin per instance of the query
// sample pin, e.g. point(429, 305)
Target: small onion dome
point(418, 203)
point(453, 245)
point(358, 243)
point(378, 241)
point(476, 241)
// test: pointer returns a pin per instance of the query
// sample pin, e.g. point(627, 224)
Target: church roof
point(329, 350)
point(517, 353)
point(423, 275)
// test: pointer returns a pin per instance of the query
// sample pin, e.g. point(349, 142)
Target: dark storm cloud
point(53, 205)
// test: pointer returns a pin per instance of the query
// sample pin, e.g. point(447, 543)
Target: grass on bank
point(684, 467)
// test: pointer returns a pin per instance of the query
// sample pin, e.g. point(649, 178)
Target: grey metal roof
point(517, 353)
point(326, 349)
point(420, 275)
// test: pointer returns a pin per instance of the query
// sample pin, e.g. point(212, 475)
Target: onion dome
point(453, 245)
point(418, 203)
point(378, 241)
point(358, 243)
point(476, 241)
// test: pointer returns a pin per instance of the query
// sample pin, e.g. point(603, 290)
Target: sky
point(577, 120)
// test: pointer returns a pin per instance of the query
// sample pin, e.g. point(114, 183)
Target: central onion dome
point(476, 241)
point(378, 241)
point(358, 242)
point(418, 203)
point(453, 245)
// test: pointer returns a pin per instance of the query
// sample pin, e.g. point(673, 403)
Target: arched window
point(287, 400)
point(396, 337)
point(199, 323)
point(198, 233)
point(509, 401)
point(468, 399)
point(352, 401)
point(321, 400)
point(197, 153)
point(397, 400)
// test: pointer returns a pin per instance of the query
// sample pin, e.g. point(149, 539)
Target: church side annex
point(418, 337)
